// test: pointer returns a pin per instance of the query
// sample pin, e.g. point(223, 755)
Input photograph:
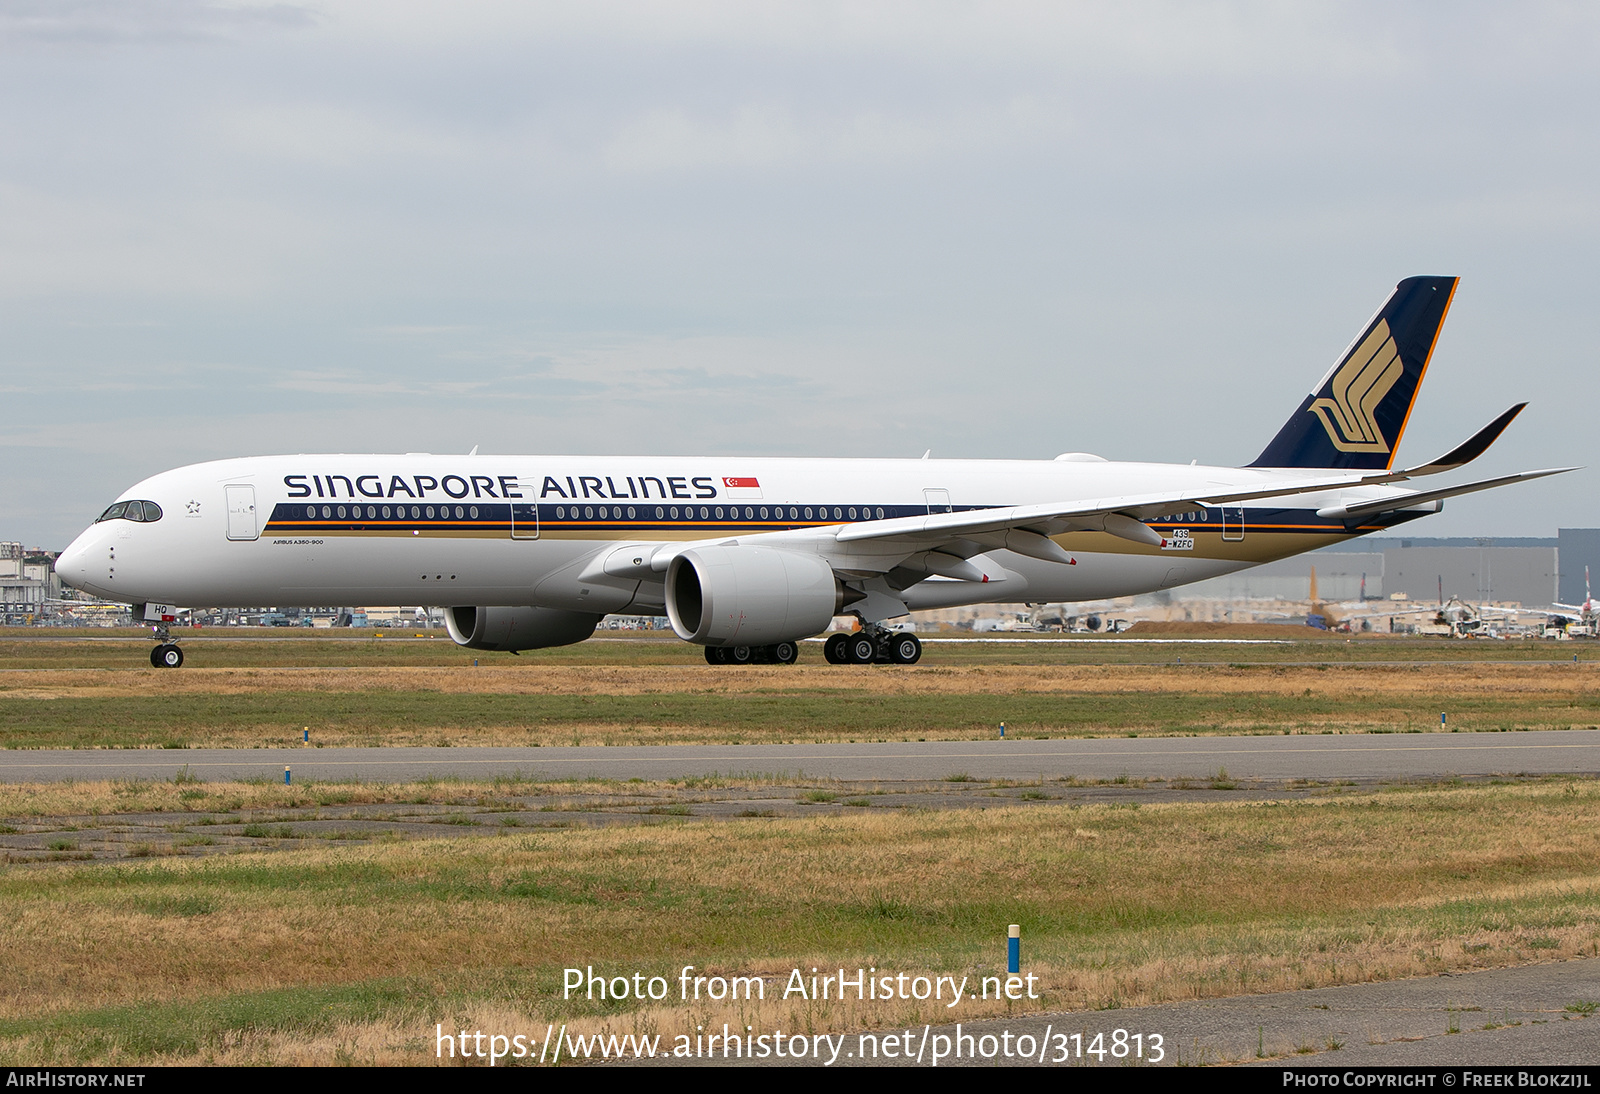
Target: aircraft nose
point(72, 564)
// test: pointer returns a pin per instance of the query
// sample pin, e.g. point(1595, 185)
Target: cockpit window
point(144, 511)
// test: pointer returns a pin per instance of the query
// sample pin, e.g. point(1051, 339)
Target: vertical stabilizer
point(1357, 414)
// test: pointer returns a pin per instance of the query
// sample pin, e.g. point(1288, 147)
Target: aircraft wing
point(879, 545)
point(1072, 516)
point(1098, 514)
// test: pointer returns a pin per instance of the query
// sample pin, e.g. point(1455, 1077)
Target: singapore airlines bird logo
point(1358, 390)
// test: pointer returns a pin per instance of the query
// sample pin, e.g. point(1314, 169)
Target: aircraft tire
point(906, 649)
point(741, 655)
point(835, 651)
point(784, 653)
point(168, 655)
point(716, 655)
point(862, 650)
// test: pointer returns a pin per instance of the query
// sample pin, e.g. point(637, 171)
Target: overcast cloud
point(995, 230)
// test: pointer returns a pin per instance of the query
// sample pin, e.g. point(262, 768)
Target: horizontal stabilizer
point(1409, 499)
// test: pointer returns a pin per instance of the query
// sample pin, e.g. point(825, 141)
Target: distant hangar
point(1531, 571)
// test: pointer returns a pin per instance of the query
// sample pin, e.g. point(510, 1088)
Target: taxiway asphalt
point(1359, 756)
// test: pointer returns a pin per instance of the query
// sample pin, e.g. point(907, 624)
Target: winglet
point(1469, 449)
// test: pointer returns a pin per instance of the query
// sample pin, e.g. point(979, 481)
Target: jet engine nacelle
point(750, 596)
point(511, 629)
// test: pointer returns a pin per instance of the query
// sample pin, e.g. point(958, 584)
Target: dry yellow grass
point(1120, 906)
point(608, 704)
point(107, 798)
point(1467, 679)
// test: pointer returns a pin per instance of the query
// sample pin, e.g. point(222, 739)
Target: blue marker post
point(306, 739)
point(1002, 731)
point(1014, 948)
point(286, 776)
point(1441, 719)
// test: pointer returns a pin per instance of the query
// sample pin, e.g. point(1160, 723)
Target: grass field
point(959, 696)
point(335, 953)
point(272, 647)
point(339, 946)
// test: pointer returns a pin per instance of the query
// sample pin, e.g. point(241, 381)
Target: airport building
point(27, 584)
point(1522, 571)
point(1580, 553)
point(1526, 572)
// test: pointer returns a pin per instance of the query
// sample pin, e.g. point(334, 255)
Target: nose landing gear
point(168, 655)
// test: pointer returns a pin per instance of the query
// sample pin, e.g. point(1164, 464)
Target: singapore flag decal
point(741, 489)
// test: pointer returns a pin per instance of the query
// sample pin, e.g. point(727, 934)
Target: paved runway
point(1366, 756)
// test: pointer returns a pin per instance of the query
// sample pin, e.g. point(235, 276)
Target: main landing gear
point(779, 653)
point(873, 646)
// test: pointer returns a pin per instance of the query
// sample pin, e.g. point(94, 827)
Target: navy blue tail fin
point(1355, 417)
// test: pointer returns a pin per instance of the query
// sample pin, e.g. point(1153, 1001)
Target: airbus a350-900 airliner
point(747, 556)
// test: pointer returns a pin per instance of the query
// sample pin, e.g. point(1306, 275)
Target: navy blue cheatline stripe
point(298, 519)
point(332, 517)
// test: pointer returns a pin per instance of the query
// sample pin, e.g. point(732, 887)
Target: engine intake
point(511, 629)
point(751, 596)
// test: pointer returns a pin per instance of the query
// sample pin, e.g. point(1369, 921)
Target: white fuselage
point(527, 530)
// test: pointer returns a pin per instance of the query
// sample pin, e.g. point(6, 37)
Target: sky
point(996, 230)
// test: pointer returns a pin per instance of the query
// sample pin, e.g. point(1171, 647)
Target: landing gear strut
point(779, 653)
point(873, 645)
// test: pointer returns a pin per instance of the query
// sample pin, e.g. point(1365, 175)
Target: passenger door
point(242, 524)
